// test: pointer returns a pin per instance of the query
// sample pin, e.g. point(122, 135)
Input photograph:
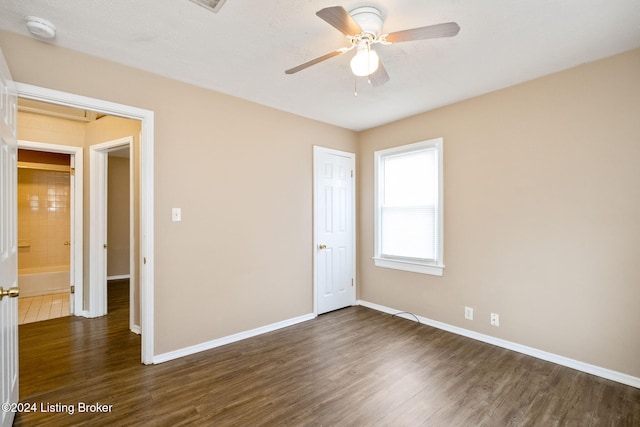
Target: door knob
point(322, 247)
point(11, 292)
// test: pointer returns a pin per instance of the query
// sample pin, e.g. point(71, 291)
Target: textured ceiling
point(244, 49)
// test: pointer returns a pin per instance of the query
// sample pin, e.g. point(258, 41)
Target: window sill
point(415, 267)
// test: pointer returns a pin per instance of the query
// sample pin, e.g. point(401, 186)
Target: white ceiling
point(244, 49)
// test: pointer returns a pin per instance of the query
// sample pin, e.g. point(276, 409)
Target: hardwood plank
point(350, 367)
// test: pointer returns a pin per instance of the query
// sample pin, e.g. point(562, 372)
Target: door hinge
point(72, 171)
point(352, 282)
point(73, 289)
point(351, 173)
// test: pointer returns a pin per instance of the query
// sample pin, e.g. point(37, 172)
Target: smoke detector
point(40, 28)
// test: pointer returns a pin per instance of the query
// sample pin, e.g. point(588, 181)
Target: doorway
point(112, 246)
point(146, 119)
point(72, 198)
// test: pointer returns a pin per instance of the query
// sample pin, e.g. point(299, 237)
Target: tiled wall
point(44, 201)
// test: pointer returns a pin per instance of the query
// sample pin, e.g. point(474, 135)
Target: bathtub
point(43, 280)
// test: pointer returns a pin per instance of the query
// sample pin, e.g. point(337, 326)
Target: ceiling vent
point(212, 5)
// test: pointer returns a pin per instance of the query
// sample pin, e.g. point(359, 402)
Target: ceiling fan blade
point(447, 29)
point(316, 60)
point(340, 19)
point(379, 77)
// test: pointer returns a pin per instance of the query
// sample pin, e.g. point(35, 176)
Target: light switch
point(176, 214)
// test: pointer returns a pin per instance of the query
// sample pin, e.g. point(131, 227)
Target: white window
point(408, 215)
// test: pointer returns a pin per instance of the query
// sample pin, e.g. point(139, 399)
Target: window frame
point(430, 267)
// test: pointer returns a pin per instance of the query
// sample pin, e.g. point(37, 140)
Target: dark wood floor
point(352, 367)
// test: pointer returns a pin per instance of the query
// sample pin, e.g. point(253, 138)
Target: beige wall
point(241, 257)
point(51, 130)
point(542, 210)
point(118, 258)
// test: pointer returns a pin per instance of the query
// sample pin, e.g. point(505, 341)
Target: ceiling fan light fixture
point(362, 27)
point(366, 61)
point(369, 19)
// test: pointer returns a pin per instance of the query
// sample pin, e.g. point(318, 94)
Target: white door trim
point(98, 157)
point(77, 245)
point(133, 268)
point(316, 193)
point(146, 260)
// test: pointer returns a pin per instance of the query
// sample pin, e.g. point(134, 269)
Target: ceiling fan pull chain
point(355, 86)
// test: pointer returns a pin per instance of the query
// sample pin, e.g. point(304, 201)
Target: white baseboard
point(540, 354)
point(165, 357)
point(119, 277)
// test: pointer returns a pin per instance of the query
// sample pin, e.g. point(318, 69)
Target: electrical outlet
point(468, 313)
point(495, 319)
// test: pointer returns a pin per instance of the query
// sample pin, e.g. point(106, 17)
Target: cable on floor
point(407, 312)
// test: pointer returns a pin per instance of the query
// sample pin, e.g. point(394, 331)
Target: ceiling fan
point(363, 27)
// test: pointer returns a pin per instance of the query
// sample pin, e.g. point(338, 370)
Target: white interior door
point(8, 246)
point(98, 237)
point(334, 229)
